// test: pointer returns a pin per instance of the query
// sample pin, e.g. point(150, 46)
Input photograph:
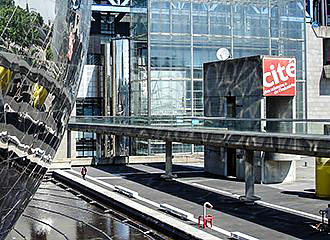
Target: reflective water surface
point(55, 214)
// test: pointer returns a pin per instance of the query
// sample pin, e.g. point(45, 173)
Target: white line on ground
point(137, 173)
point(154, 172)
point(157, 205)
point(290, 210)
point(105, 178)
point(229, 194)
point(96, 180)
point(262, 203)
point(187, 171)
point(113, 187)
point(196, 180)
point(141, 173)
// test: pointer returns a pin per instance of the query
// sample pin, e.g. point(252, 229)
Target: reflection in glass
point(42, 49)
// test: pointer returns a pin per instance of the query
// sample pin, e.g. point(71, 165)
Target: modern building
point(146, 58)
point(42, 52)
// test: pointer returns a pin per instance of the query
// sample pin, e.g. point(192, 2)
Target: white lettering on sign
point(271, 78)
point(279, 76)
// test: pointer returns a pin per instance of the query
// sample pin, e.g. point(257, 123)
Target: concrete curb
point(153, 218)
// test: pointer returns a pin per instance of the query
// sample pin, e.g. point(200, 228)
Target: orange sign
point(279, 76)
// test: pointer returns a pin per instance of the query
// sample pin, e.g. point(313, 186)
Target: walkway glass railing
point(292, 126)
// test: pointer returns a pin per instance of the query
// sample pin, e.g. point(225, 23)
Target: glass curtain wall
point(181, 35)
point(139, 58)
point(139, 94)
point(186, 33)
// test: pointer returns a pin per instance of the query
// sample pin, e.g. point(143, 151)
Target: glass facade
point(171, 39)
point(182, 35)
point(139, 58)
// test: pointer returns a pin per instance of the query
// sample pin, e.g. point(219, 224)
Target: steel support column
point(249, 174)
point(249, 178)
point(117, 150)
point(68, 146)
point(98, 146)
point(169, 163)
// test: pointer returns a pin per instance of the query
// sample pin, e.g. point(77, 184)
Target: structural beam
point(299, 144)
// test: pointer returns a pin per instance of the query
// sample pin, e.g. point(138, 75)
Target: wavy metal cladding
point(42, 48)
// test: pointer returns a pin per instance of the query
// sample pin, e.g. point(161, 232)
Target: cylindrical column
point(117, 151)
point(168, 165)
point(249, 174)
point(68, 145)
point(323, 11)
point(169, 162)
point(98, 146)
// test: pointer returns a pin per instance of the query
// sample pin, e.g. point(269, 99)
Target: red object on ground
point(207, 219)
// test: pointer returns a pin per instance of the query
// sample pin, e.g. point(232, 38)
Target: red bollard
point(207, 219)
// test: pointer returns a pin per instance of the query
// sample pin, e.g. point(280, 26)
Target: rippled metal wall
point(42, 51)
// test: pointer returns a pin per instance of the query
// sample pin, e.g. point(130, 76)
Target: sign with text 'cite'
point(279, 76)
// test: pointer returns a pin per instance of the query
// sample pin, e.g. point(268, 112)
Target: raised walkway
point(282, 214)
point(301, 144)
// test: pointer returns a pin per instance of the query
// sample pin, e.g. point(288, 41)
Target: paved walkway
point(281, 213)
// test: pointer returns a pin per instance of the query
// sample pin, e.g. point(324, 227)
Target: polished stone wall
point(43, 45)
point(241, 79)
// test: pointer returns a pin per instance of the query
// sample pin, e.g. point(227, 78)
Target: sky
point(46, 8)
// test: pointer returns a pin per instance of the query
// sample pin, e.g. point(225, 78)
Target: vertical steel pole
point(149, 68)
point(322, 13)
point(192, 64)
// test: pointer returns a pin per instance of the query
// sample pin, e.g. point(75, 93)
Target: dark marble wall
point(241, 78)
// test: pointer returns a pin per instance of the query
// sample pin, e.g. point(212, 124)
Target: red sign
point(279, 76)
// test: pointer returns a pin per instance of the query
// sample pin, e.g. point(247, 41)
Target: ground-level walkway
point(285, 211)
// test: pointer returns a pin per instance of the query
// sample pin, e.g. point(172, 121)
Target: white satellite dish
point(223, 54)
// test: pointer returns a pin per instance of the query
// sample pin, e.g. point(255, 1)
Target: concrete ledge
point(176, 211)
point(242, 236)
point(322, 32)
point(153, 218)
point(115, 160)
point(178, 158)
point(71, 162)
point(126, 191)
point(61, 163)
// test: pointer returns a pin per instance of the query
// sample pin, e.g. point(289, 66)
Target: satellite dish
point(223, 54)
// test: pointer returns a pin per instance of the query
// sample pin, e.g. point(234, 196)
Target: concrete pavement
point(281, 214)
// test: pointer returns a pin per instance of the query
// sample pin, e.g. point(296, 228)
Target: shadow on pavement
point(304, 195)
point(290, 224)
